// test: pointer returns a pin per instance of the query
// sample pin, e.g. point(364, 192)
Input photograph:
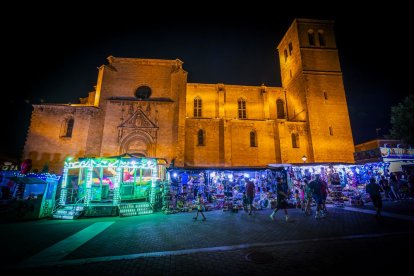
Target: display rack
point(337, 196)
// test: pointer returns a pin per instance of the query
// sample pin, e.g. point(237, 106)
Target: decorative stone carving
point(300, 129)
point(138, 120)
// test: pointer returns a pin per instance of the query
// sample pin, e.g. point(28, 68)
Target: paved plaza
point(348, 240)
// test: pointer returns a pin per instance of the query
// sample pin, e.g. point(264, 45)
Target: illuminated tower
point(312, 79)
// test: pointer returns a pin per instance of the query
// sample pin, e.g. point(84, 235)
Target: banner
point(397, 153)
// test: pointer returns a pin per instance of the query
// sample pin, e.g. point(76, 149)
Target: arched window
point(295, 140)
point(311, 37)
point(67, 127)
point(253, 139)
point(330, 131)
point(241, 104)
point(280, 109)
point(197, 107)
point(286, 55)
point(200, 138)
point(321, 37)
point(290, 48)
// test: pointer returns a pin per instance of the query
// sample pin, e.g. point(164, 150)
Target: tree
point(402, 120)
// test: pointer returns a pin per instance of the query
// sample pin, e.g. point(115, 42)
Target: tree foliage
point(402, 120)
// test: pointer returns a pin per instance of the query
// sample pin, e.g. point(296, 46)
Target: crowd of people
point(278, 191)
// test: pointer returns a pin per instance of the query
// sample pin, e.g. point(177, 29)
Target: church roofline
point(234, 85)
point(167, 62)
point(64, 105)
point(139, 100)
point(318, 21)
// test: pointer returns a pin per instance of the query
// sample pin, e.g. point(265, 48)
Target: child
point(297, 200)
point(200, 206)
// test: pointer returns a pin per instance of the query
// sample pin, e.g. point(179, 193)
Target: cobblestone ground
point(358, 257)
point(226, 244)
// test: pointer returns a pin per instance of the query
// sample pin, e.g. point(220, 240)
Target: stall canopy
point(27, 180)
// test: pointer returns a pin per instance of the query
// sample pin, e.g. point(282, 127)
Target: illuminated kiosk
point(27, 196)
point(107, 186)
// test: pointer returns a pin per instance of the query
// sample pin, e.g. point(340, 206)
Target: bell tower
point(312, 78)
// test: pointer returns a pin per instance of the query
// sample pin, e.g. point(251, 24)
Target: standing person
point(374, 191)
point(282, 196)
point(395, 187)
point(245, 202)
point(200, 206)
point(308, 196)
point(385, 187)
point(297, 198)
point(250, 191)
point(324, 195)
point(315, 186)
point(302, 197)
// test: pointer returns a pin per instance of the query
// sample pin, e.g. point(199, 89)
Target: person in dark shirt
point(315, 186)
point(250, 191)
point(282, 196)
point(374, 191)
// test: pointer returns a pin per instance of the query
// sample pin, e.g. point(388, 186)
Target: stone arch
point(138, 142)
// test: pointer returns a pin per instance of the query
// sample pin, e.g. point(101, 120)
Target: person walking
point(315, 186)
point(395, 186)
point(374, 191)
point(282, 196)
point(200, 207)
point(250, 192)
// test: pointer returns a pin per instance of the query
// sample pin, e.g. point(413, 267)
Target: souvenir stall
point(222, 188)
point(126, 185)
point(28, 196)
point(346, 183)
point(359, 176)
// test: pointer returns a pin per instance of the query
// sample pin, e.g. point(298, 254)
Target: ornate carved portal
point(138, 133)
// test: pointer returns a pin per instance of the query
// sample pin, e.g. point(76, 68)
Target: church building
point(146, 107)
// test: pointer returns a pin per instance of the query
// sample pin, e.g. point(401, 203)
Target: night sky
point(55, 59)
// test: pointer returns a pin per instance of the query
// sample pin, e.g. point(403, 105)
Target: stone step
point(135, 209)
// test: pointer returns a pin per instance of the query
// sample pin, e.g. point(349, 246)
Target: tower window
point(295, 140)
point(290, 73)
point(330, 131)
point(197, 107)
point(67, 128)
point(286, 55)
point(201, 138)
point(241, 104)
point(253, 139)
point(290, 48)
point(311, 38)
point(325, 95)
point(321, 37)
point(280, 109)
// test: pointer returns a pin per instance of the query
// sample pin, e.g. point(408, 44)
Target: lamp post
point(304, 158)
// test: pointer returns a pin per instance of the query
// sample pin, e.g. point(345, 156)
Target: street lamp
point(304, 158)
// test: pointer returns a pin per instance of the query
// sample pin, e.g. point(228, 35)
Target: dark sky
point(54, 59)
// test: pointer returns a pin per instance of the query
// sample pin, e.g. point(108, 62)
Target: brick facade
point(236, 125)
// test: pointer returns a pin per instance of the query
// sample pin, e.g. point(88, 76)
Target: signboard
point(9, 166)
point(397, 153)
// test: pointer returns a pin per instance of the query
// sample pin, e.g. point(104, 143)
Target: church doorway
point(139, 144)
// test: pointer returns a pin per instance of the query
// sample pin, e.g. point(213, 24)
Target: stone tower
point(312, 78)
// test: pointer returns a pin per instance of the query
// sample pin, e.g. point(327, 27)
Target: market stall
point(29, 196)
point(124, 185)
